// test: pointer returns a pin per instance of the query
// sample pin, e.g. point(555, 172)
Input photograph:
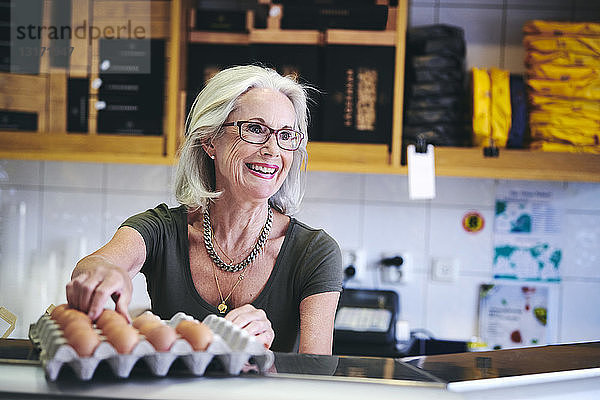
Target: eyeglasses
point(257, 133)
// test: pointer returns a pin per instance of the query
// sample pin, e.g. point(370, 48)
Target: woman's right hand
point(93, 281)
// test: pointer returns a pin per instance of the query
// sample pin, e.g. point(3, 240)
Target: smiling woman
point(232, 247)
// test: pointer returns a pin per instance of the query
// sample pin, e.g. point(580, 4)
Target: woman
point(231, 248)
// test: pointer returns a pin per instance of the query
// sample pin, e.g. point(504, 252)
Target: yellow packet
point(481, 107)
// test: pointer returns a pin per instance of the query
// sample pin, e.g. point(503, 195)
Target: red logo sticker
point(473, 222)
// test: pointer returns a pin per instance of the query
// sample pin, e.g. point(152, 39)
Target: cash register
point(365, 325)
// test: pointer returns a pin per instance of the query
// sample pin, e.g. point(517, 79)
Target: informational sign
point(527, 231)
point(513, 315)
point(473, 222)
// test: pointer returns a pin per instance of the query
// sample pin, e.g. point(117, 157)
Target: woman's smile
point(262, 170)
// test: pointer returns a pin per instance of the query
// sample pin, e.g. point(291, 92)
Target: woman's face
point(254, 172)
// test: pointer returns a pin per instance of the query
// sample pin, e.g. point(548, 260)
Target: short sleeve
point(322, 266)
point(152, 225)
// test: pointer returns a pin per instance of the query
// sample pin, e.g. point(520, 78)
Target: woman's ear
point(209, 148)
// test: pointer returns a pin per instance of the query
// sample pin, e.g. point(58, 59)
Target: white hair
point(195, 172)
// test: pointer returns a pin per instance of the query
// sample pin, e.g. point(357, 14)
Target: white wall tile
point(20, 172)
point(451, 308)
point(582, 250)
point(71, 225)
point(395, 228)
point(464, 191)
point(120, 206)
point(482, 33)
point(583, 196)
point(448, 239)
point(138, 177)
point(340, 220)
point(333, 186)
point(412, 299)
point(473, 3)
point(389, 188)
point(171, 178)
point(19, 211)
point(580, 318)
point(421, 14)
point(140, 300)
point(74, 175)
point(19, 234)
point(541, 4)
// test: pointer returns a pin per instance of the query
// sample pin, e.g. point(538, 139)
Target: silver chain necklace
point(258, 247)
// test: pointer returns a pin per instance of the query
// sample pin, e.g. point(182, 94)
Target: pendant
point(222, 308)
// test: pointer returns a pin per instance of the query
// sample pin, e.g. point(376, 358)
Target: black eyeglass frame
point(271, 132)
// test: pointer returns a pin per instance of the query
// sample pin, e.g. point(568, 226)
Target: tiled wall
point(63, 211)
point(51, 213)
point(70, 209)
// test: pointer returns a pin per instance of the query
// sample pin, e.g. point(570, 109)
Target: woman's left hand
point(254, 321)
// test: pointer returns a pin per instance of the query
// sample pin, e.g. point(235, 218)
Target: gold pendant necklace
point(222, 307)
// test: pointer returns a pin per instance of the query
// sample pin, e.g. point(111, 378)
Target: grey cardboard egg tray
point(231, 345)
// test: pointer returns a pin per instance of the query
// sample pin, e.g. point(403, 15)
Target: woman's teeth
point(262, 169)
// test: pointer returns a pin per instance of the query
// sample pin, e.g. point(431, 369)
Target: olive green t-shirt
point(308, 263)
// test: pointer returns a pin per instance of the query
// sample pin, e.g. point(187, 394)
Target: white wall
point(70, 209)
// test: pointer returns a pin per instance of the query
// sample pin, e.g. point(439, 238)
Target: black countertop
point(547, 371)
point(461, 367)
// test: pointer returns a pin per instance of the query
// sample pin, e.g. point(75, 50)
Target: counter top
point(545, 372)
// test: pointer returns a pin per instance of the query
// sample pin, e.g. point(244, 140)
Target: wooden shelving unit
point(52, 144)
point(517, 164)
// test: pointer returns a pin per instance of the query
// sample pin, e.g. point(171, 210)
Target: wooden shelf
point(517, 164)
point(364, 38)
point(99, 157)
point(349, 157)
point(82, 144)
point(286, 36)
point(460, 162)
point(291, 36)
point(209, 37)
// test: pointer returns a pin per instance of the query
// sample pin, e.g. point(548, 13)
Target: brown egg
point(58, 310)
point(114, 324)
point(147, 326)
point(124, 339)
point(143, 318)
point(76, 325)
point(107, 316)
point(84, 342)
point(162, 337)
point(70, 315)
point(198, 335)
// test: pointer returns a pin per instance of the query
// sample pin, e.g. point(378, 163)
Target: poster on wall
point(527, 233)
point(513, 315)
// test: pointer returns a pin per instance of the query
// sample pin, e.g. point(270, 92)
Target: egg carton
point(233, 346)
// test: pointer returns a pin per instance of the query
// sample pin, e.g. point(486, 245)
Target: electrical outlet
point(354, 264)
point(444, 269)
point(395, 267)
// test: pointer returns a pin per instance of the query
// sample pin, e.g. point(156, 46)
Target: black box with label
point(78, 91)
point(359, 94)
point(131, 91)
point(18, 121)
